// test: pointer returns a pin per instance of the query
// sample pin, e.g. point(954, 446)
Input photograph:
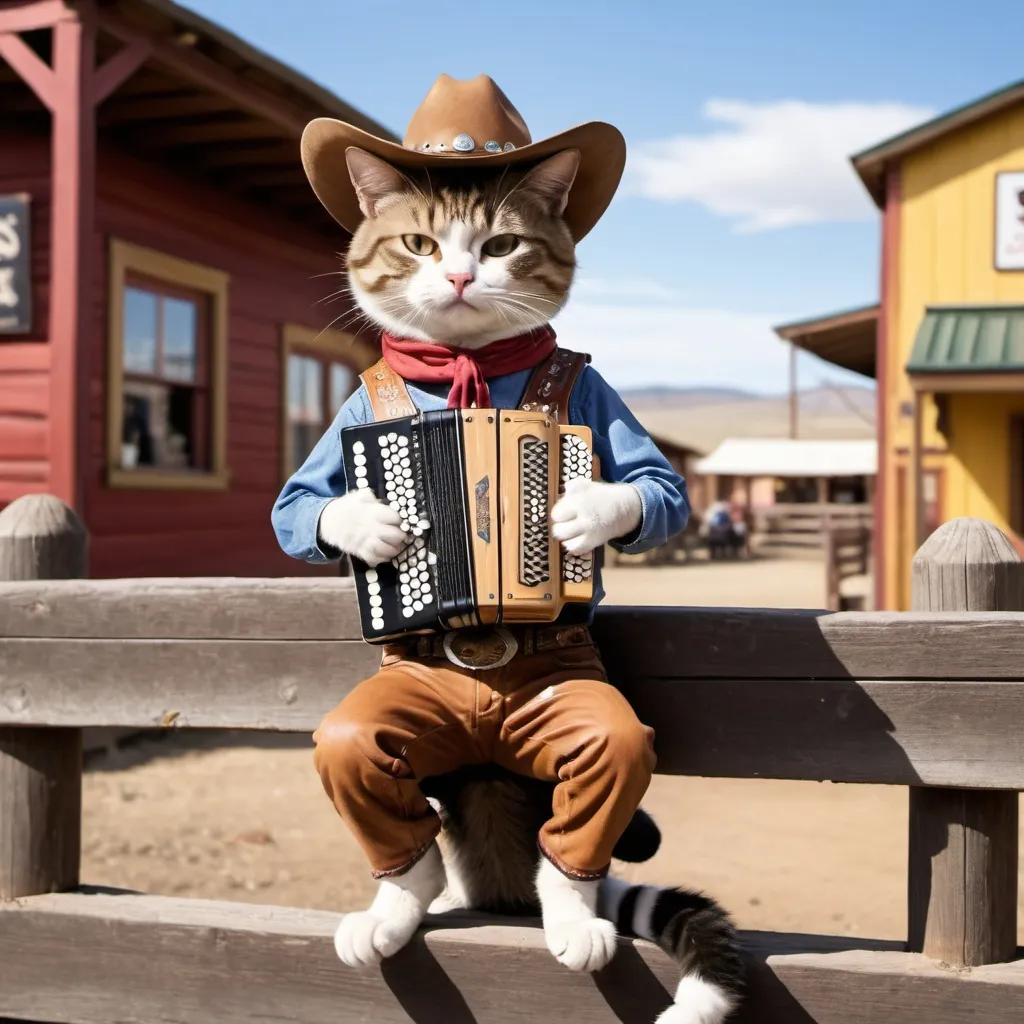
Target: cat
point(467, 256)
point(489, 824)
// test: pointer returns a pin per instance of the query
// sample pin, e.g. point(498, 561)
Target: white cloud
point(676, 345)
point(628, 288)
point(771, 165)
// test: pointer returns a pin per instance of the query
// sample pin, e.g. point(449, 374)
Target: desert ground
point(232, 816)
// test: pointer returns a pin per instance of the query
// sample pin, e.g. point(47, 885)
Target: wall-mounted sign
point(1010, 220)
point(15, 266)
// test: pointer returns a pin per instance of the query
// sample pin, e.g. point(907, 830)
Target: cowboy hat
point(465, 123)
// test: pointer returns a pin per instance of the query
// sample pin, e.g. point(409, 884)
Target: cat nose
point(459, 282)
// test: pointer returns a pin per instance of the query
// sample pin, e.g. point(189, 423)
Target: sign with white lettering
point(1010, 221)
point(15, 265)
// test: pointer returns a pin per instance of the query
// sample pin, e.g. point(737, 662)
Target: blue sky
point(738, 210)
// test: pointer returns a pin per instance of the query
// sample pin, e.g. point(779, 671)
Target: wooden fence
point(803, 526)
point(847, 566)
point(932, 700)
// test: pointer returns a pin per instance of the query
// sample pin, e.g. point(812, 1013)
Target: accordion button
point(358, 448)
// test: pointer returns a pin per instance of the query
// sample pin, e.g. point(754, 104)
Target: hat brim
point(602, 161)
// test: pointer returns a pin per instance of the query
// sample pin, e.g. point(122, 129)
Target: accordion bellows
point(474, 488)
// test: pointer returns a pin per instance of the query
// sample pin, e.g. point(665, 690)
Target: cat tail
point(696, 932)
point(640, 841)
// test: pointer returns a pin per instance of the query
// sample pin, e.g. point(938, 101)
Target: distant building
point(947, 340)
point(163, 266)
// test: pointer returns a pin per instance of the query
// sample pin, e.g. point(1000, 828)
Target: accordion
point(474, 488)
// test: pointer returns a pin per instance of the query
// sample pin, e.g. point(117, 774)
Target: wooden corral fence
point(932, 700)
point(800, 525)
point(847, 565)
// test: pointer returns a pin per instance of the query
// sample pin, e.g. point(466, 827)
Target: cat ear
point(551, 180)
point(374, 179)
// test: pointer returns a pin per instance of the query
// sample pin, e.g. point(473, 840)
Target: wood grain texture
point(223, 963)
point(40, 769)
point(867, 987)
point(964, 844)
point(963, 877)
point(961, 733)
point(678, 643)
point(40, 810)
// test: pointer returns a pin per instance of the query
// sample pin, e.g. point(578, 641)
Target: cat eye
point(500, 245)
point(420, 245)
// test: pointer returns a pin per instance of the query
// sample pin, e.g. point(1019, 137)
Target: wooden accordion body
point(474, 488)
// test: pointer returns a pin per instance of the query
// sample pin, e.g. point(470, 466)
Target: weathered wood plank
point(673, 642)
point(950, 733)
point(963, 844)
point(867, 987)
point(224, 963)
point(40, 769)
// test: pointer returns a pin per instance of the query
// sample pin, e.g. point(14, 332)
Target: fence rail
point(930, 699)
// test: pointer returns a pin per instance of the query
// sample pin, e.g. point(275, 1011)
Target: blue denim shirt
point(626, 451)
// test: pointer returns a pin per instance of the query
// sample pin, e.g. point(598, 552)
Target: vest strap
point(389, 397)
point(552, 382)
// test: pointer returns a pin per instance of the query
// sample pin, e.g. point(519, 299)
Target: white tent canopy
point(783, 457)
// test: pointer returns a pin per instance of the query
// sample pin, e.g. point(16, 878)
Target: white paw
point(445, 902)
point(698, 1002)
point(582, 945)
point(364, 938)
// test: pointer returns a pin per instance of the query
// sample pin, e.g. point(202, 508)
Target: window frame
point(328, 346)
point(128, 263)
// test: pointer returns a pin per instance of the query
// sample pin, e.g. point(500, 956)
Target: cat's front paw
point(586, 944)
point(364, 939)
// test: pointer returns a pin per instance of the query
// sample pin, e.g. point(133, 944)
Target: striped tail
point(692, 929)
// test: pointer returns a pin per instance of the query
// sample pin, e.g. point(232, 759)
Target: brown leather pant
point(550, 715)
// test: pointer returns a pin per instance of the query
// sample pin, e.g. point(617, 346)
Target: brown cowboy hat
point(465, 122)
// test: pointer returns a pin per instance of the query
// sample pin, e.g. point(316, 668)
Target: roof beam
point(271, 176)
point(119, 68)
point(282, 153)
point(204, 72)
point(180, 104)
point(28, 17)
point(210, 132)
point(35, 72)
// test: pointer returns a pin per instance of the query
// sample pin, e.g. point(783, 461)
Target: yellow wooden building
point(948, 334)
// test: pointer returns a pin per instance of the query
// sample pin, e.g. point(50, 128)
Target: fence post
point(963, 843)
point(40, 768)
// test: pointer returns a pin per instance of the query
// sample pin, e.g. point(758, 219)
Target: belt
point(494, 646)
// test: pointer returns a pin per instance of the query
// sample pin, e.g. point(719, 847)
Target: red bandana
point(467, 369)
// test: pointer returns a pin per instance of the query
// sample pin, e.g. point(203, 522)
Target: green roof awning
point(969, 339)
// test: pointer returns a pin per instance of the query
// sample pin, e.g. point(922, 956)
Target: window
point(167, 386)
point(321, 371)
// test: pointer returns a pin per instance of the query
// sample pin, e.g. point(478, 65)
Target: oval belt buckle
point(480, 649)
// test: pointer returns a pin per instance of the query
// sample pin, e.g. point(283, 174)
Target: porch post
point(70, 87)
point(73, 179)
point(916, 473)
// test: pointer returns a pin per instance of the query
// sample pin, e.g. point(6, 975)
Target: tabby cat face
point(461, 257)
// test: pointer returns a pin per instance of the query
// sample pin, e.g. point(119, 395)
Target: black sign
point(15, 266)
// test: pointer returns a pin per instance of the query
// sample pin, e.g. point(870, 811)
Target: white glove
point(359, 524)
point(593, 512)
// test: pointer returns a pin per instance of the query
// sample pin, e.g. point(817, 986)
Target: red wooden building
point(163, 363)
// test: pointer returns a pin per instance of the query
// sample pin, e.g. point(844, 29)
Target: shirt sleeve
point(628, 455)
point(320, 479)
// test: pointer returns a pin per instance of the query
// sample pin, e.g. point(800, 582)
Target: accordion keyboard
point(576, 462)
point(535, 560)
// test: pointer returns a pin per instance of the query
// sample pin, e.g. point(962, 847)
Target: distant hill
point(702, 418)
